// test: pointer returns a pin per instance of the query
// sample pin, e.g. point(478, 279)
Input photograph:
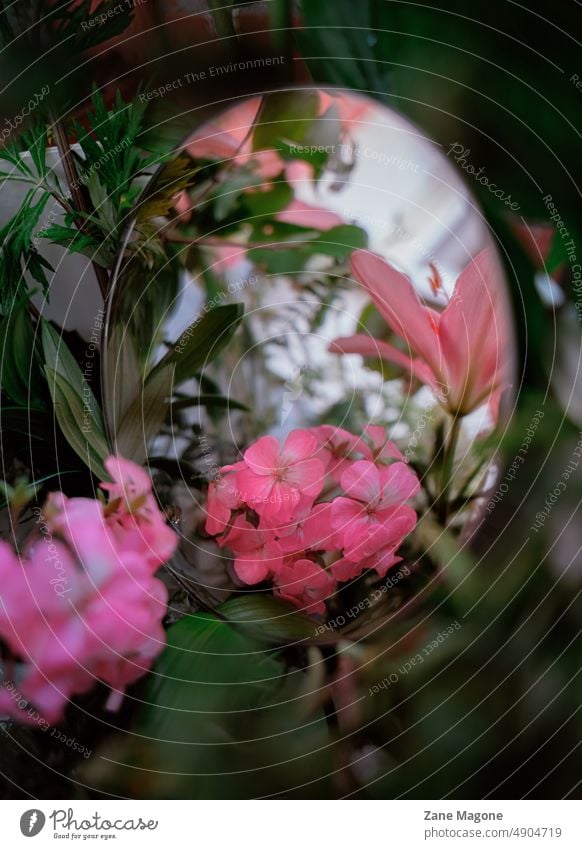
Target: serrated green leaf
point(17, 249)
point(71, 238)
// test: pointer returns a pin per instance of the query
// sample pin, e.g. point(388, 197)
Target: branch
point(78, 194)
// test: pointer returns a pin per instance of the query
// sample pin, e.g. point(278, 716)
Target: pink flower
point(275, 479)
point(307, 215)
point(304, 584)
point(372, 516)
point(383, 560)
point(310, 529)
point(133, 514)
point(309, 544)
point(338, 448)
point(81, 604)
point(382, 449)
point(223, 498)
point(461, 352)
point(258, 554)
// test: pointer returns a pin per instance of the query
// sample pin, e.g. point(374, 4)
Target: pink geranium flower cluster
point(320, 509)
point(81, 604)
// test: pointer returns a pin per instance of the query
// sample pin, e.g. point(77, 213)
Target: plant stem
point(280, 24)
point(80, 201)
point(222, 16)
point(442, 504)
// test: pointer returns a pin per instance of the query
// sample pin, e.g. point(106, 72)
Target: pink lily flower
point(275, 478)
point(459, 352)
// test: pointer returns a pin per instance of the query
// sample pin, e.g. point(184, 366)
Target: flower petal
point(368, 346)
point(399, 483)
point(299, 445)
point(474, 334)
point(263, 456)
point(307, 477)
point(361, 480)
point(399, 304)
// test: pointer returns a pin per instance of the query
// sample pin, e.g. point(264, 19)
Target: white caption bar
point(293, 824)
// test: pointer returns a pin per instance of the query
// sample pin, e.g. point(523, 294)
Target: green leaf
point(73, 239)
point(316, 158)
point(35, 424)
point(267, 618)
point(58, 357)
point(338, 43)
point(222, 16)
point(34, 142)
point(217, 402)
point(145, 416)
point(179, 174)
point(339, 242)
point(284, 115)
point(222, 717)
point(79, 22)
point(17, 250)
point(277, 198)
point(77, 410)
point(202, 341)
point(77, 424)
point(20, 375)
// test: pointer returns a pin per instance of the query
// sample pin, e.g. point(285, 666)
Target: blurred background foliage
point(494, 709)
